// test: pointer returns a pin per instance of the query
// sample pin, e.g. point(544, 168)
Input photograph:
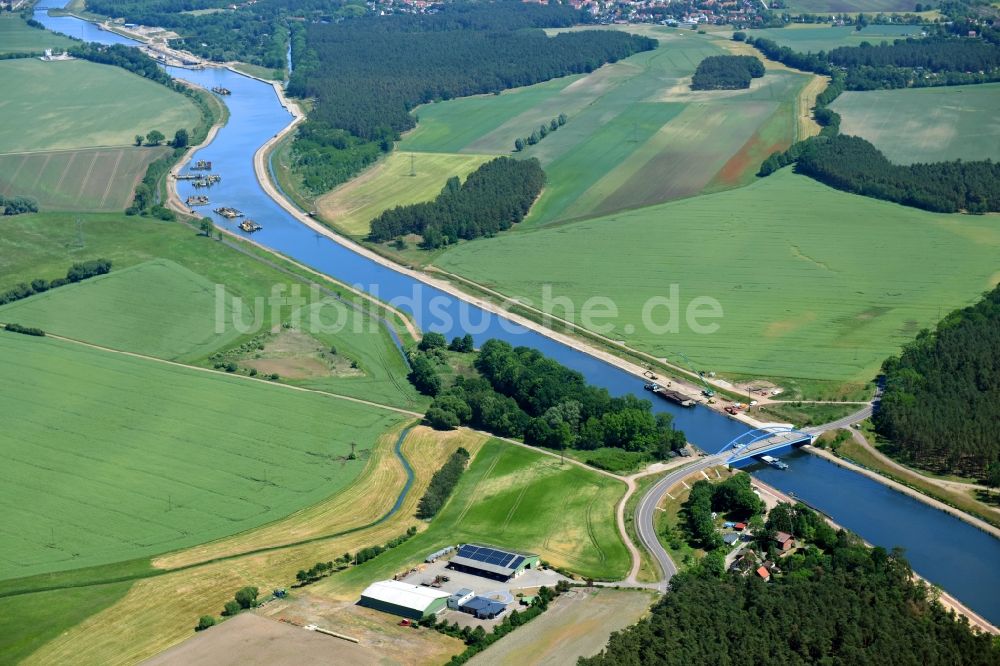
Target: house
point(483, 608)
point(739, 527)
point(457, 600)
point(730, 538)
point(785, 541)
point(764, 573)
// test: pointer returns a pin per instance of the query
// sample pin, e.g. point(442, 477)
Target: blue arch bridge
point(763, 440)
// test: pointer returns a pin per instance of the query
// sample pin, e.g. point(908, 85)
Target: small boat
point(228, 213)
point(202, 165)
point(219, 90)
point(250, 226)
point(196, 200)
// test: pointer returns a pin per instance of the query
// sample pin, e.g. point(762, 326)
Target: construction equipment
point(707, 390)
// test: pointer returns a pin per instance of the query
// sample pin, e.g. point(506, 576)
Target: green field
point(352, 206)
point(926, 124)
point(16, 36)
point(80, 104)
point(813, 282)
point(101, 179)
point(849, 6)
point(157, 308)
point(804, 37)
point(173, 314)
point(515, 497)
point(114, 457)
point(636, 134)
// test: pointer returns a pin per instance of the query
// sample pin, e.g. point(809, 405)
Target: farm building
point(456, 600)
point(483, 608)
point(412, 601)
point(492, 562)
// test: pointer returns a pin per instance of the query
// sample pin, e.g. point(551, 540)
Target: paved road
point(646, 510)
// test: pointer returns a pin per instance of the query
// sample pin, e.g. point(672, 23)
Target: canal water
point(943, 549)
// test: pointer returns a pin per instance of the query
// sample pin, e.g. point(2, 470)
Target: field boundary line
point(370, 403)
point(111, 180)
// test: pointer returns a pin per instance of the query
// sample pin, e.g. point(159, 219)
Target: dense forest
point(835, 601)
point(522, 393)
point(853, 164)
point(941, 405)
point(386, 66)
point(726, 72)
point(494, 197)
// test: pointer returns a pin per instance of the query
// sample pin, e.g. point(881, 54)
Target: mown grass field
point(161, 611)
point(101, 179)
point(813, 282)
point(926, 124)
point(636, 135)
point(516, 497)
point(849, 6)
point(352, 206)
point(114, 457)
point(818, 37)
point(16, 36)
point(171, 312)
point(80, 104)
point(157, 308)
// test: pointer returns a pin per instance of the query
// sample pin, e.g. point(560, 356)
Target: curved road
point(646, 510)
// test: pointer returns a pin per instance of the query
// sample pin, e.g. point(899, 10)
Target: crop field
point(516, 497)
point(849, 6)
point(157, 308)
point(926, 124)
point(635, 135)
point(16, 36)
point(177, 296)
point(114, 457)
point(813, 282)
point(352, 206)
point(79, 104)
point(577, 625)
point(805, 37)
point(101, 179)
point(159, 612)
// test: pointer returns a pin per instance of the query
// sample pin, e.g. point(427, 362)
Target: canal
point(943, 549)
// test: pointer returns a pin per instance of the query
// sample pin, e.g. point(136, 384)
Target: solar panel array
point(492, 556)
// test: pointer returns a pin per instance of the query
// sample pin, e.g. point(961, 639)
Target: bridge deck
point(776, 441)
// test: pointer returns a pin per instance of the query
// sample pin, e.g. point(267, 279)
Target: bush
point(431, 341)
point(25, 330)
point(246, 597)
point(205, 622)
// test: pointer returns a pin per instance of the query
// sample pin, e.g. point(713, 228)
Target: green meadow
point(848, 6)
point(813, 282)
point(515, 497)
point(114, 457)
point(160, 297)
point(806, 37)
point(16, 36)
point(54, 111)
point(926, 124)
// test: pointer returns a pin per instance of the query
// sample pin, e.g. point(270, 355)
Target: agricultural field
point(101, 179)
point(164, 302)
point(79, 104)
point(402, 178)
point(160, 611)
point(806, 37)
point(848, 6)
point(16, 36)
point(635, 134)
point(926, 124)
point(516, 497)
point(578, 624)
point(161, 457)
point(812, 282)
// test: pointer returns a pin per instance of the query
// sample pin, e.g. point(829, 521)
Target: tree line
point(368, 74)
point(442, 483)
point(18, 205)
point(77, 272)
point(543, 131)
point(726, 72)
point(493, 198)
point(941, 405)
point(519, 392)
point(835, 602)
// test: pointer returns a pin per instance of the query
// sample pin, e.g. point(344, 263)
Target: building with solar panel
point(491, 562)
